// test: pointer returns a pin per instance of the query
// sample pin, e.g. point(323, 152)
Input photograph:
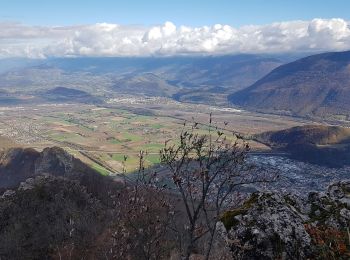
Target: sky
point(180, 12)
point(45, 28)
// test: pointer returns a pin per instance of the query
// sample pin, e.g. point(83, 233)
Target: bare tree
point(178, 210)
point(144, 214)
point(206, 170)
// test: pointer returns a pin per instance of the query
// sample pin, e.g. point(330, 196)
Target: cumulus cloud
point(103, 39)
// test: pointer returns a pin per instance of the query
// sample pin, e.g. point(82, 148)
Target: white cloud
point(102, 39)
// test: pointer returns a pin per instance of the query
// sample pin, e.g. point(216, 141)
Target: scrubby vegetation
point(192, 205)
point(49, 216)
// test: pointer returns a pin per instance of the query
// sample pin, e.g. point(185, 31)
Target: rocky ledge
point(275, 226)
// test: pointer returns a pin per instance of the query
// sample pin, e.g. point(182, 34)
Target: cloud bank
point(102, 39)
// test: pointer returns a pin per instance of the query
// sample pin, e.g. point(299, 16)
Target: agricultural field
point(109, 137)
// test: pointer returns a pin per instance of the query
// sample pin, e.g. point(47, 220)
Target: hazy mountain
point(235, 71)
point(63, 94)
point(156, 76)
point(205, 95)
point(7, 98)
point(146, 84)
point(315, 85)
point(17, 63)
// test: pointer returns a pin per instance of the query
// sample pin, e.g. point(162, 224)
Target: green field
point(100, 169)
point(119, 133)
point(106, 134)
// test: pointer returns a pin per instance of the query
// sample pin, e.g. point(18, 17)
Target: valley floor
point(104, 135)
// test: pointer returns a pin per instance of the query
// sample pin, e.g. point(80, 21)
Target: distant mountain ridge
point(178, 77)
point(147, 84)
point(64, 94)
point(315, 85)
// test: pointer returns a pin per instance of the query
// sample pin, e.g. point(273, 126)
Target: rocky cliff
point(274, 226)
point(19, 164)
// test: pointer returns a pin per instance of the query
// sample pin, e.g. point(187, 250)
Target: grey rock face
point(274, 226)
point(28, 184)
point(270, 228)
point(54, 161)
point(340, 192)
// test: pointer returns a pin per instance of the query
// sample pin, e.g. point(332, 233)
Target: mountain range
point(316, 85)
point(173, 77)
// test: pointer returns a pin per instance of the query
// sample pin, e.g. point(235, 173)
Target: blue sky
point(61, 28)
point(180, 12)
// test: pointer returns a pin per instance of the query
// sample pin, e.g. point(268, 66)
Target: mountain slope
point(323, 145)
point(48, 216)
point(312, 134)
point(63, 94)
point(7, 98)
point(52, 205)
point(146, 84)
point(315, 85)
point(18, 164)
